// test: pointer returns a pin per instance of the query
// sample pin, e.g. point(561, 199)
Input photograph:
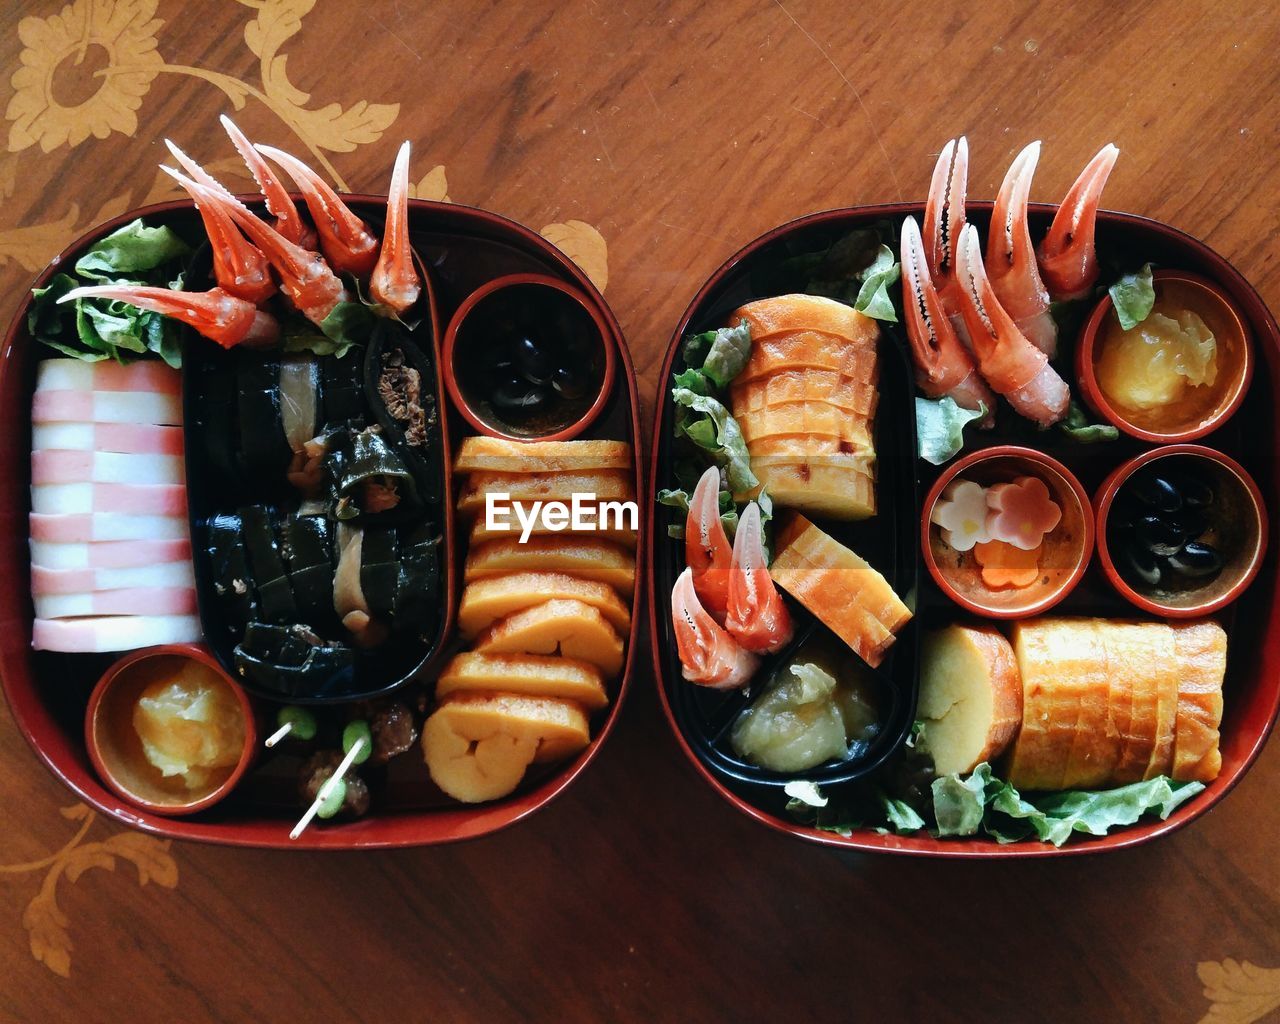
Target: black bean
point(1158, 535)
point(571, 383)
point(1156, 492)
point(1142, 563)
point(1191, 522)
point(1196, 493)
point(1196, 560)
point(532, 361)
point(519, 396)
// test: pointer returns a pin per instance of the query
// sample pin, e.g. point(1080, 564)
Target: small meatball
point(394, 731)
point(319, 768)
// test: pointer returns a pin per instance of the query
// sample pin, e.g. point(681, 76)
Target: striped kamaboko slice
point(107, 375)
point(113, 633)
point(148, 407)
point(129, 438)
point(87, 528)
point(127, 499)
point(133, 601)
point(91, 581)
point(105, 468)
point(111, 554)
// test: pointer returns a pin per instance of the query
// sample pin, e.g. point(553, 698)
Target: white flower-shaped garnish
point(961, 512)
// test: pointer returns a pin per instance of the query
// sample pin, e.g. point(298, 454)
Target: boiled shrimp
point(706, 546)
point(1068, 260)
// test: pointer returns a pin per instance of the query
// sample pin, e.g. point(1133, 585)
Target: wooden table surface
point(651, 141)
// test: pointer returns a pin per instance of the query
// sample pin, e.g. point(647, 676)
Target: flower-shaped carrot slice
point(1004, 565)
point(962, 513)
point(1021, 512)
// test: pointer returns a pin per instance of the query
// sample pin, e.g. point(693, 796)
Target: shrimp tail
point(707, 550)
point(394, 282)
point(216, 314)
point(944, 219)
point(289, 222)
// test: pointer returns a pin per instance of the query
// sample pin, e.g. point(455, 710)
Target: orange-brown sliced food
point(619, 530)
point(477, 746)
point(605, 485)
point(814, 417)
point(584, 557)
point(843, 492)
point(532, 675)
point(480, 454)
point(1201, 649)
point(567, 627)
point(781, 313)
point(805, 385)
point(485, 601)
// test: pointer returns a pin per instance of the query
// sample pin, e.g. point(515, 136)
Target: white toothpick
point(324, 791)
point(279, 734)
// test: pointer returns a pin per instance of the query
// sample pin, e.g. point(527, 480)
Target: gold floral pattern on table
point(433, 185)
point(123, 35)
point(124, 31)
point(1240, 992)
point(584, 245)
point(45, 921)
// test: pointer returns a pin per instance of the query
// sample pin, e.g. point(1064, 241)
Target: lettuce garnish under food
point(1080, 428)
point(1133, 297)
point(940, 427)
point(983, 804)
point(96, 329)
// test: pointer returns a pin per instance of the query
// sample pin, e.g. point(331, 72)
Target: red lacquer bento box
point(461, 251)
point(702, 718)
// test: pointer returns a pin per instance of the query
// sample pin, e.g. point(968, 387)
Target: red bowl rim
point(1007, 451)
point(403, 829)
point(923, 845)
point(1106, 496)
point(1098, 401)
point(460, 402)
point(192, 652)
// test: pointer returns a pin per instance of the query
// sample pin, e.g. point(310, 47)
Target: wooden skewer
point(323, 793)
point(279, 734)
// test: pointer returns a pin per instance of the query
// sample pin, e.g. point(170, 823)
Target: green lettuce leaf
point(901, 816)
point(695, 347)
point(730, 350)
point(695, 380)
point(873, 297)
point(349, 324)
point(717, 432)
point(130, 250)
point(1133, 296)
point(940, 427)
point(1080, 428)
point(1055, 816)
point(959, 804)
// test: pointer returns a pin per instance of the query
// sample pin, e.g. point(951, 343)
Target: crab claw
point(944, 366)
point(1011, 259)
point(289, 222)
point(706, 547)
point(237, 266)
point(200, 175)
point(1013, 366)
point(757, 618)
point(394, 281)
point(305, 277)
point(345, 240)
point(708, 655)
point(1068, 261)
point(944, 219)
point(216, 314)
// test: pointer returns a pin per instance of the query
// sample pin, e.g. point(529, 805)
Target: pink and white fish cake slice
point(91, 581)
point(111, 554)
point(123, 499)
point(98, 635)
point(87, 528)
point(130, 438)
point(105, 468)
point(133, 601)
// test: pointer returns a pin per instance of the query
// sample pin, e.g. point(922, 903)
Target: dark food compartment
point(1124, 243)
point(461, 252)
